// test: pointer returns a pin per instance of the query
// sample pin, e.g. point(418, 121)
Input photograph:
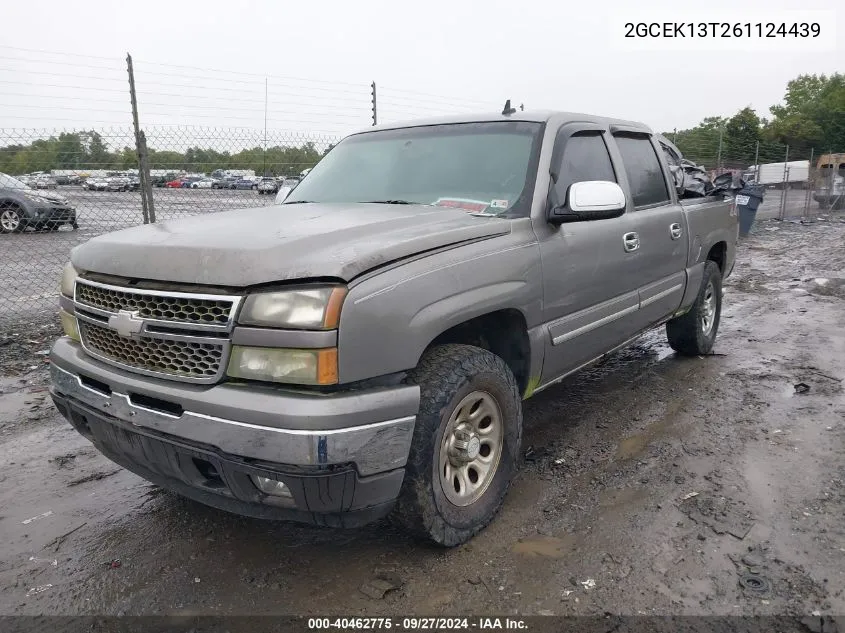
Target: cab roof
point(535, 116)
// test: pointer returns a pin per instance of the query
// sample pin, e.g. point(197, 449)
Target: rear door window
point(645, 176)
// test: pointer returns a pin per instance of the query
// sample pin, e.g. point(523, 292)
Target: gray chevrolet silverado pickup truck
point(363, 349)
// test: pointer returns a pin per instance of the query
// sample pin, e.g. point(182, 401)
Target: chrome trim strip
point(660, 295)
point(589, 327)
point(235, 300)
point(627, 342)
point(299, 339)
point(164, 336)
point(373, 448)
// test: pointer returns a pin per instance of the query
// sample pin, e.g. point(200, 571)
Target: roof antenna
point(508, 110)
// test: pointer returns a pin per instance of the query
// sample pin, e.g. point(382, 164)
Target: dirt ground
point(652, 484)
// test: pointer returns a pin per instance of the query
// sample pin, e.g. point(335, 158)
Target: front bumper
point(53, 214)
point(346, 473)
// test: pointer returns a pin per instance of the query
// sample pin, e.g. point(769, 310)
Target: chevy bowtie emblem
point(126, 323)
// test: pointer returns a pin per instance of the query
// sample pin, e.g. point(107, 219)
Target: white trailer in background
point(794, 172)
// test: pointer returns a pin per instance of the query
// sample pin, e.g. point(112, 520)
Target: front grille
point(161, 306)
point(187, 359)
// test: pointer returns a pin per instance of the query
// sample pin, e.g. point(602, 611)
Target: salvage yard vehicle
point(363, 349)
point(45, 181)
point(22, 207)
point(830, 182)
point(203, 183)
point(96, 183)
point(118, 183)
point(267, 185)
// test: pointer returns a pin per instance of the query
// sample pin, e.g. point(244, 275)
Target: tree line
point(811, 119)
point(89, 150)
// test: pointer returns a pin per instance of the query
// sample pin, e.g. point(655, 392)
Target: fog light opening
point(271, 487)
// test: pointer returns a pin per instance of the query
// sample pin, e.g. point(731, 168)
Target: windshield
point(483, 167)
point(7, 182)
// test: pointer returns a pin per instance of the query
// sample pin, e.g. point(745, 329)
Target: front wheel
point(11, 219)
point(465, 447)
point(694, 333)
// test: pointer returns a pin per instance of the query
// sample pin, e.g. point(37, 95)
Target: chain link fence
point(72, 185)
point(801, 183)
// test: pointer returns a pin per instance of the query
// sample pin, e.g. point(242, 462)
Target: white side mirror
point(591, 196)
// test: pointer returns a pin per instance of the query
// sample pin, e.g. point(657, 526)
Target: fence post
point(784, 185)
point(146, 181)
point(719, 154)
point(833, 171)
point(143, 174)
point(757, 162)
point(809, 191)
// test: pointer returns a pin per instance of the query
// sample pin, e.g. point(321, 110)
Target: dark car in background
point(161, 180)
point(244, 183)
point(21, 206)
point(227, 182)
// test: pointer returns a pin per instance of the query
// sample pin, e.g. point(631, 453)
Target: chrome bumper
point(373, 448)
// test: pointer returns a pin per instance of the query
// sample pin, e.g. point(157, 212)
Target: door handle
point(631, 242)
point(675, 231)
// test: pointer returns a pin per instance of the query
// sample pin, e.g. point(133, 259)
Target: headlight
point(69, 275)
point(35, 197)
point(299, 366)
point(315, 308)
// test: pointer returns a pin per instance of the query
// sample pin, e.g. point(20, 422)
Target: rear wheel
point(694, 333)
point(11, 218)
point(465, 447)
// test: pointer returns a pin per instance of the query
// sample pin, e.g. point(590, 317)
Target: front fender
point(389, 319)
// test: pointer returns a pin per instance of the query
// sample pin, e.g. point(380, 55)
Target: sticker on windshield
point(499, 204)
point(475, 206)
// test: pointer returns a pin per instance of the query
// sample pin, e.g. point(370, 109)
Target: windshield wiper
point(300, 202)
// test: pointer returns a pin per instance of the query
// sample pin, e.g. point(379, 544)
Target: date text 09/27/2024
point(756, 30)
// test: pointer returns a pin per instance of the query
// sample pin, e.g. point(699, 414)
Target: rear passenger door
point(660, 226)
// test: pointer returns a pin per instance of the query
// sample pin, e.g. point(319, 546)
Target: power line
point(427, 94)
point(165, 65)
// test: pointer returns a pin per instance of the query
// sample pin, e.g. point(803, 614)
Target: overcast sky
point(436, 56)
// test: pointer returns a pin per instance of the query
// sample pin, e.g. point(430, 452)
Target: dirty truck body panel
point(162, 317)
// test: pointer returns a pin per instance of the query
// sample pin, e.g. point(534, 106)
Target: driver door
point(589, 285)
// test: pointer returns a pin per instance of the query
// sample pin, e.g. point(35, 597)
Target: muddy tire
point(694, 333)
point(11, 218)
point(465, 447)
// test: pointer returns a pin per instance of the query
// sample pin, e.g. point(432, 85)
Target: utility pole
point(375, 107)
point(675, 136)
point(147, 205)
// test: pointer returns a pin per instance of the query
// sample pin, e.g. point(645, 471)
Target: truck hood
point(281, 242)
